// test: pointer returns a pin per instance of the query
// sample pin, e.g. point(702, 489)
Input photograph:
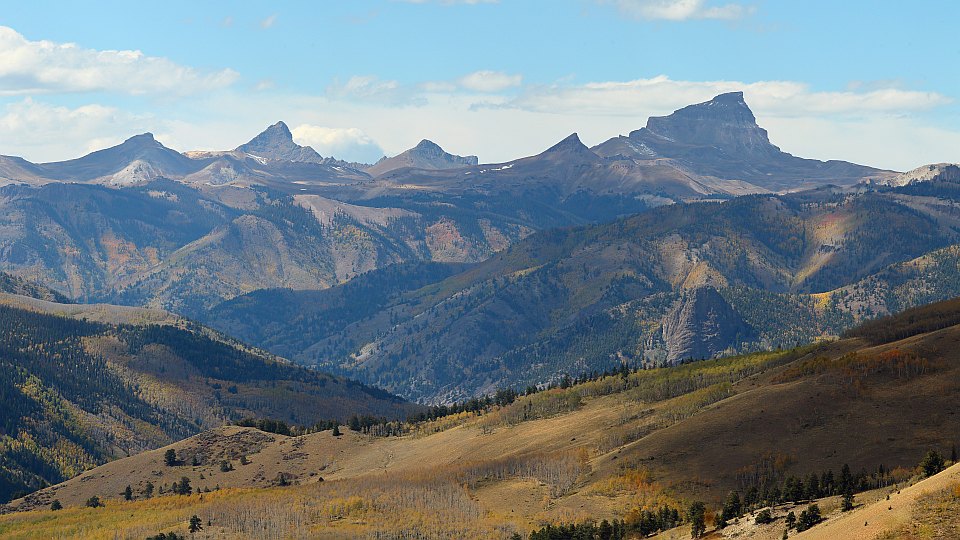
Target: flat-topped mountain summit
point(721, 138)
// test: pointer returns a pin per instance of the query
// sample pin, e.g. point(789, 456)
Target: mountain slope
point(425, 155)
point(77, 393)
point(603, 449)
point(787, 269)
point(139, 159)
point(14, 285)
point(159, 243)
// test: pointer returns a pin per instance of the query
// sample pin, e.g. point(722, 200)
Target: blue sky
point(874, 82)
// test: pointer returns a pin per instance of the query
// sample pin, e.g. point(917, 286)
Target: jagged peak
point(427, 144)
point(274, 133)
point(276, 143)
point(570, 142)
point(280, 127)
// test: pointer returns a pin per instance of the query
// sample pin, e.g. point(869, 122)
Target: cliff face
point(720, 138)
point(701, 325)
point(725, 122)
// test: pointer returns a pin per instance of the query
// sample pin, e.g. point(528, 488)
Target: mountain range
point(142, 224)
point(564, 281)
point(563, 312)
point(684, 281)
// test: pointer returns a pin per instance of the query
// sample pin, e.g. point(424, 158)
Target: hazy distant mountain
point(425, 155)
point(721, 138)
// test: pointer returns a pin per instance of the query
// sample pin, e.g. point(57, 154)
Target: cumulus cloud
point(32, 67)
point(489, 81)
point(350, 144)
point(45, 132)
point(679, 10)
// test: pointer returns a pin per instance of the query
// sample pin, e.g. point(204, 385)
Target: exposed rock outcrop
point(276, 143)
point(702, 325)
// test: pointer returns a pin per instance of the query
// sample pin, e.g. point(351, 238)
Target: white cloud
point(268, 22)
point(44, 132)
point(31, 67)
point(373, 89)
point(489, 81)
point(350, 144)
point(363, 87)
point(264, 84)
point(679, 10)
point(661, 95)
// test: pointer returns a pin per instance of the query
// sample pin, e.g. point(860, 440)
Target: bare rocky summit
point(425, 155)
point(935, 172)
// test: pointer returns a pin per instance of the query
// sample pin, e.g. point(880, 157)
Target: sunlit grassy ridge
point(621, 446)
point(448, 499)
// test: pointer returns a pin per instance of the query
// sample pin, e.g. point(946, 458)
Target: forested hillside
point(77, 393)
point(862, 417)
point(788, 269)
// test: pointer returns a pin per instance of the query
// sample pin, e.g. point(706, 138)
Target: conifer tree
point(696, 517)
point(195, 524)
point(932, 463)
point(847, 500)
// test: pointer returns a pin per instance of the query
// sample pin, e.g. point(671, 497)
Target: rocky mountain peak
point(425, 155)
point(570, 144)
point(276, 143)
point(724, 122)
point(143, 139)
point(427, 145)
point(935, 172)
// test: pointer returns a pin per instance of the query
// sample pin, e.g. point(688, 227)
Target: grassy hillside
point(793, 268)
point(77, 393)
point(608, 448)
